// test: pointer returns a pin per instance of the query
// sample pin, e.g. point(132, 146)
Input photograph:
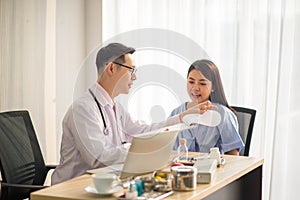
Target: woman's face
point(198, 87)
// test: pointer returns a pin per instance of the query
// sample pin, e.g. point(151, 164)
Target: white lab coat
point(85, 146)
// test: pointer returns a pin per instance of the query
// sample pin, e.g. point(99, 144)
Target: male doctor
point(95, 128)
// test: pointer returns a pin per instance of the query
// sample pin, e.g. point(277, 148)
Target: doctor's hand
point(197, 109)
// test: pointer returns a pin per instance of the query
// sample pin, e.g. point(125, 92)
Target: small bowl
point(162, 178)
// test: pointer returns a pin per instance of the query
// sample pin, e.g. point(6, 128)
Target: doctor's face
point(127, 74)
point(198, 86)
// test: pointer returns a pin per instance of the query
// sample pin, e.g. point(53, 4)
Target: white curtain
point(22, 77)
point(43, 46)
point(255, 44)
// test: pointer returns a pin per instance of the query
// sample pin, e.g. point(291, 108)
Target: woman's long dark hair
point(211, 72)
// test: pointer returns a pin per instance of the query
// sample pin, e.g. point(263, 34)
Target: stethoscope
point(105, 130)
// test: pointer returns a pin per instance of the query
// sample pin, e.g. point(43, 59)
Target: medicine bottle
point(182, 150)
point(132, 193)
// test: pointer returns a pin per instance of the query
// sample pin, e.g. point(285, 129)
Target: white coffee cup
point(105, 182)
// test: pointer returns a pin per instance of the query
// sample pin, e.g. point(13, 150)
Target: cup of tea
point(105, 182)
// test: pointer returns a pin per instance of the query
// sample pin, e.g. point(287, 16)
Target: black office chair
point(22, 164)
point(246, 117)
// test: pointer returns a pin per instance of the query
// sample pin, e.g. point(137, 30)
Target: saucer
point(92, 189)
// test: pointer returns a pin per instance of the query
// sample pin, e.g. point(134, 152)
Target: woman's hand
point(197, 109)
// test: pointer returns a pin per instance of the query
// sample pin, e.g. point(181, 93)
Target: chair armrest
point(13, 185)
point(48, 167)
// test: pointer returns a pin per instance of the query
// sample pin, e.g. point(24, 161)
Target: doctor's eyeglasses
point(132, 70)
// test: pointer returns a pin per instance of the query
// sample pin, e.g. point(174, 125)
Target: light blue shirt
point(202, 138)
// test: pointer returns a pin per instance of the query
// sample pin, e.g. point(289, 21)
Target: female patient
point(204, 83)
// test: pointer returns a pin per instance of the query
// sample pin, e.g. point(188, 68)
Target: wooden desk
point(240, 178)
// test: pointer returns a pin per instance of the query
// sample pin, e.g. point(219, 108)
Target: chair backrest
point(246, 117)
point(21, 159)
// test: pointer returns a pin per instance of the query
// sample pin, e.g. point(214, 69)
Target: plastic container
point(182, 151)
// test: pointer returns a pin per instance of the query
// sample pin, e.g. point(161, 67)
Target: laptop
point(148, 152)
